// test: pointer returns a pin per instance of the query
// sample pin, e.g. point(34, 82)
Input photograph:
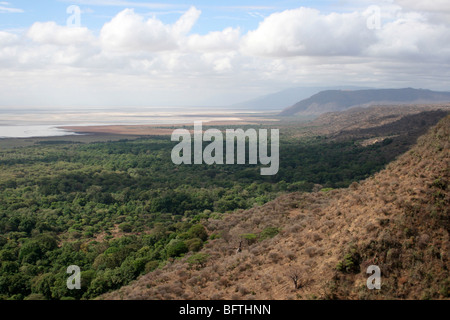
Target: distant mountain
point(339, 100)
point(286, 98)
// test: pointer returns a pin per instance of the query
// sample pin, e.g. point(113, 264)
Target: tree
point(250, 237)
point(43, 284)
point(176, 248)
point(198, 231)
point(296, 274)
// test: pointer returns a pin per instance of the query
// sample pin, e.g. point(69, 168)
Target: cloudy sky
point(58, 53)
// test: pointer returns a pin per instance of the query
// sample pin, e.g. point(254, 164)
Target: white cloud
point(226, 40)
point(306, 31)
point(129, 31)
point(427, 6)
point(51, 33)
point(219, 62)
point(7, 38)
point(186, 22)
point(411, 36)
point(436, 11)
point(5, 7)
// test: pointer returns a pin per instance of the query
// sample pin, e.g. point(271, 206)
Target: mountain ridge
point(340, 100)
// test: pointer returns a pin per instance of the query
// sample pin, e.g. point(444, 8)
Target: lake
point(28, 123)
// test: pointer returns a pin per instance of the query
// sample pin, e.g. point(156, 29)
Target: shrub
point(217, 296)
point(311, 251)
point(316, 237)
point(275, 257)
point(176, 248)
point(350, 263)
point(194, 244)
point(445, 289)
point(214, 236)
point(224, 282)
point(198, 260)
point(126, 227)
point(354, 185)
point(243, 290)
point(197, 231)
point(440, 183)
point(268, 233)
point(290, 255)
point(250, 237)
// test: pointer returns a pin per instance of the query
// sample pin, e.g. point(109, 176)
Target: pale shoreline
point(154, 129)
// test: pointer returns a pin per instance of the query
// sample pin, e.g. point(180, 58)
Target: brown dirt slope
point(397, 220)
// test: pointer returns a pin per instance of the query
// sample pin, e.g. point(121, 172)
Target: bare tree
point(296, 275)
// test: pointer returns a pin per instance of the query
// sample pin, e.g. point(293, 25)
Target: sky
point(120, 53)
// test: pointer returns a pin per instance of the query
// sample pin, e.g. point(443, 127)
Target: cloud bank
point(138, 60)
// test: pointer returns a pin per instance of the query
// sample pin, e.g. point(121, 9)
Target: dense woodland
point(121, 209)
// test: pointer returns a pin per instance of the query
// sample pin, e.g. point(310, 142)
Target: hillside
point(398, 219)
point(340, 100)
point(286, 98)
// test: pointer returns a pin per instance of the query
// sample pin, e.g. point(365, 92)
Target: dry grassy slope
point(397, 219)
point(361, 118)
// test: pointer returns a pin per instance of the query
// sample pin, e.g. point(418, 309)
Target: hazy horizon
point(234, 107)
